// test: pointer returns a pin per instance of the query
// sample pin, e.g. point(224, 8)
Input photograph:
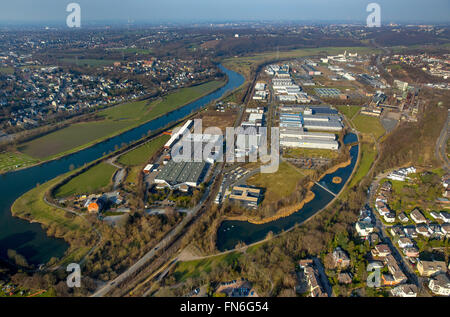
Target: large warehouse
point(175, 174)
point(298, 138)
point(310, 143)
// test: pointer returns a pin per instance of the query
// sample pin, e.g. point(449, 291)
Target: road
point(385, 238)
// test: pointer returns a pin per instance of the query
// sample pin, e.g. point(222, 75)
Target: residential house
point(423, 230)
point(403, 217)
point(440, 285)
point(411, 252)
point(430, 268)
point(389, 217)
point(405, 290)
point(417, 216)
point(312, 278)
point(405, 243)
point(445, 228)
point(340, 258)
point(397, 231)
point(364, 229)
point(380, 251)
point(393, 267)
point(435, 215)
point(410, 232)
point(445, 216)
point(345, 278)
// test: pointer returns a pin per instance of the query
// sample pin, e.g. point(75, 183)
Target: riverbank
point(289, 210)
point(282, 213)
point(119, 131)
point(18, 187)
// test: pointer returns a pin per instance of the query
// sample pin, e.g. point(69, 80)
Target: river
point(29, 239)
point(231, 232)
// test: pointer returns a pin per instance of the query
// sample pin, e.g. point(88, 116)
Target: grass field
point(277, 185)
point(6, 70)
point(93, 180)
point(10, 161)
point(368, 155)
point(32, 204)
point(141, 155)
point(369, 125)
point(115, 120)
point(88, 62)
point(348, 111)
point(318, 153)
point(192, 269)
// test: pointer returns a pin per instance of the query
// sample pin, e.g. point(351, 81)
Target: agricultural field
point(11, 161)
point(277, 185)
point(93, 180)
point(369, 126)
point(115, 120)
point(143, 153)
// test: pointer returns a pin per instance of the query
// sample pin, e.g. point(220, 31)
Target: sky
point(157, 11)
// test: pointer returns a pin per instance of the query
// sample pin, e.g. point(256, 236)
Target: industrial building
point(310, 122)
point(310, 143)
point(247, 196)
point(322, 123)
point(174, 174)
point(176, 136)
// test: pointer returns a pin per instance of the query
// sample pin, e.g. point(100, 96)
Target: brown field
point(222, 120)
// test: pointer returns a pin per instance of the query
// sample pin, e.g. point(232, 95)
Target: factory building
point(310, 143)
point(298, 138)
point(310, 122)
point(176, 136)
point(174, 175)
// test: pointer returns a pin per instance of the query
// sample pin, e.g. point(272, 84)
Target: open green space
point(94, 179)
point(114, 120)
point(88, 62)
point(6, 70)
point(305, 153)
point(31, 205)
point(141, 155)
point(368, 155)
point(192, 269)
point(277, 185)
point(369, 125)
point(12, 160)
point(348, 111)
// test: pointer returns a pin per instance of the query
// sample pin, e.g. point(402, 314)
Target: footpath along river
point(29, 239)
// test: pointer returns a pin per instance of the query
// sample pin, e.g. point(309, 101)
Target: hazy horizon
point(204, 11)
